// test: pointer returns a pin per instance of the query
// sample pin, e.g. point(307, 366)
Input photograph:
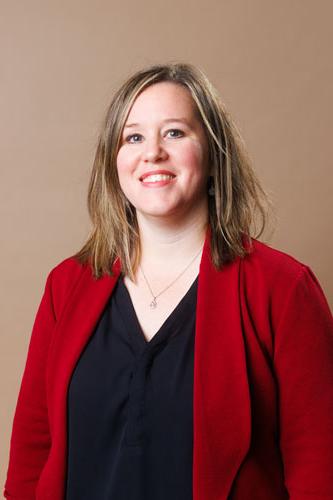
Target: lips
point(157, 176)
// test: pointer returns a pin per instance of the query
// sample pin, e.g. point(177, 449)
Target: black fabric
point(130, 407)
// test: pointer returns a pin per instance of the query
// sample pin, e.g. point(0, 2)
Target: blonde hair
point(235, 208)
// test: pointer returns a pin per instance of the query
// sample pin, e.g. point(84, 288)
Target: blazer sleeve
point(30, 440)
point(303, 360)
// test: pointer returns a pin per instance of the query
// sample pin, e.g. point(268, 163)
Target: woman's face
point(162, 161)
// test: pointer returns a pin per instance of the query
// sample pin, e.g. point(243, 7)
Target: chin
point(158, 211)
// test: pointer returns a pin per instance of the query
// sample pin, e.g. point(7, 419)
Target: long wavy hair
point(238, 208)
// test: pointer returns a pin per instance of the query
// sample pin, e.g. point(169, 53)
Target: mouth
point(157, 177)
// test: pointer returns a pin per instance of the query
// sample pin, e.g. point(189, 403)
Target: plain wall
point(60, 63)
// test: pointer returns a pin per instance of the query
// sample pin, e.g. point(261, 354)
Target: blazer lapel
point(72, 333)
point(222, 412)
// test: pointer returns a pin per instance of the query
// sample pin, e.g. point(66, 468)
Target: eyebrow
point(167, 120)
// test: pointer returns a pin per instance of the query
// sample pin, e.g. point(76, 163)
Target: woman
point(175, 356)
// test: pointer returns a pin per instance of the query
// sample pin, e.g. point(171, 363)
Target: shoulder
point(268, 274)
point(266, 261)
point(63, 279)
point(69, 267)
point(277, 278)
point(69, 276)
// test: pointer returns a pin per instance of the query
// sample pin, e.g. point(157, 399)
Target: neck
point(176, 241)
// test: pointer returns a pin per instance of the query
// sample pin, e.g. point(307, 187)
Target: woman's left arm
point(303, 360)
point(31, 440)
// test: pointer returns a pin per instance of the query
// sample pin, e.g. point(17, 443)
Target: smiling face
point(162, 161)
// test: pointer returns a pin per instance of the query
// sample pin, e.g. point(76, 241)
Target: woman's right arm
point(30, 441)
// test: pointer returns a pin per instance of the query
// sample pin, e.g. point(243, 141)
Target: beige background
point(61, 60)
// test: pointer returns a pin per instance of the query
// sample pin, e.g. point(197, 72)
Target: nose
point(153, 150)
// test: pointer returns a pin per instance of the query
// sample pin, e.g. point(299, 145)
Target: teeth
point(157, 178)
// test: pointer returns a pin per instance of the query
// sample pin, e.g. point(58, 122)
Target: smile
point(157, 178)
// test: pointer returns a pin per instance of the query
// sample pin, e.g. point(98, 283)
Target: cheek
point(123, 161)
point(127, 159)
point(195, 157)
point(198, 149)
point(124, 171)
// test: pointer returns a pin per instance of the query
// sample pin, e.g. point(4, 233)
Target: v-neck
point(168, 328)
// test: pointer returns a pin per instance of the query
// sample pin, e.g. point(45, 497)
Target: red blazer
point(263, 381)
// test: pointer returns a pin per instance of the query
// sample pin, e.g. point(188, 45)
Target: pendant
point(153, 304)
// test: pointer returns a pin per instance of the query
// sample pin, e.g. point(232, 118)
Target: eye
point(134, 138)
point(175, 133)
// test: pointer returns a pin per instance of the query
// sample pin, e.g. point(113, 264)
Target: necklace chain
point(153, 303)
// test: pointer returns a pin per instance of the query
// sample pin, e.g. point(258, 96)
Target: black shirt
point(130, 407)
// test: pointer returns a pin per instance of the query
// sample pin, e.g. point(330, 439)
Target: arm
point(303, 358)
point(30, 441)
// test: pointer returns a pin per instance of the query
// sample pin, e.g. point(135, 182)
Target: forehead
point(163, 98)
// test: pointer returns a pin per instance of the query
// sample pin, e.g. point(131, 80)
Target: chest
point(167, 298)
point(126, 394)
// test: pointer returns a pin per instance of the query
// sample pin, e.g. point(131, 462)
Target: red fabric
point(263, 381)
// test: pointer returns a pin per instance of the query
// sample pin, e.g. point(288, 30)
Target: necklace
point(153, 303)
